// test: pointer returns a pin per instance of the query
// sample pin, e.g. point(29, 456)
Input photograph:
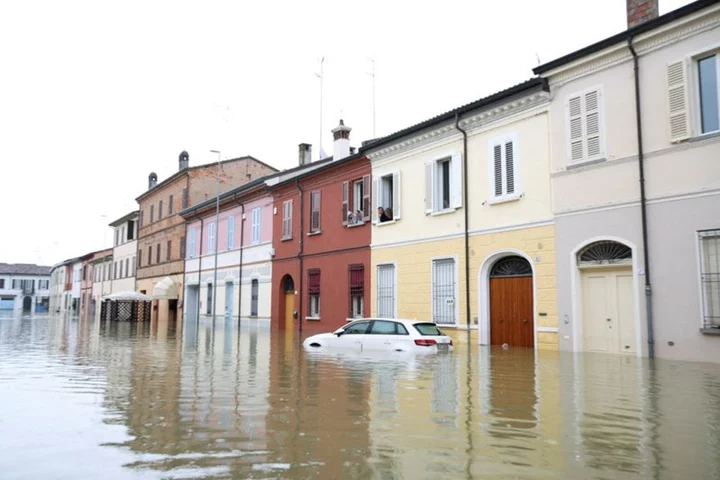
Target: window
point(584, 126)
point(211, 238)
point(386, 291)
point(122, 234)
point(117, 236)
point(170, 205)
point(150, 255)
point(356, 281)
point(314, 293)
point(287, 220)
point(708, 91)
point(443, 291)
point(115, 271)
point(140, 219)
point(191, 243)
point(710, 277)
point(168, 255)
point(356, 200)
point(139, 258)
point(185, 198)
point(254, 291)
point(503, 172)
point(157, 254)
point(256, 226)
point(183, 247)
point(120, 270)
point(230, 233)
point(152, 213)
point(387, 197)
point(384, 327)
point(315, 211)
point(160, 205)
point(132, 267)
point(2, 283)
point(443, 183)
point(131, 230)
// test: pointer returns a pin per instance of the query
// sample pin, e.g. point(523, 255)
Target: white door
point(608, 311)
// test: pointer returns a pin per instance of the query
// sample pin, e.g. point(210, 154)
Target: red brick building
point(321, 239)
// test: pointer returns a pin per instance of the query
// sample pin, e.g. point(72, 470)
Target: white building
point(102, 277)
point(65, 285)
point(24, 287)
point(124, 253)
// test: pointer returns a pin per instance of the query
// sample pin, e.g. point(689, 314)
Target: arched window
point(289, 284)
point(513, 266)
point(605, 252)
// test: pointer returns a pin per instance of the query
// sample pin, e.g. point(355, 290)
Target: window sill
point(384, 224)
point(442, 212)
point(585, 163)
point(312, 234)
point(353, 225)
point(704, 136)
point(313, 319)
point(285, 239)
point(505, 199)
point(710, 331)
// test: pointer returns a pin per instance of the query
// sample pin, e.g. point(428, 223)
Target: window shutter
point(376, 199)
point(367, 195)
point(185, 198)
point(677, 102)
point(396, 196)
point(345, 201)
point(592, 124)
point(456, 185)
point(575, 121)
point(314, 211)
point(497, 187)
point(429, 186)
point(509, 168)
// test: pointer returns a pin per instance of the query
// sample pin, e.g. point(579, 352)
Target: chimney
point(640, 11)
point(183, 160)
point(352, 150)
point(152, 180)
point(304, 154)
point(341, 146)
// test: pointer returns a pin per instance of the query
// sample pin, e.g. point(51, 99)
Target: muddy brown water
point(81, 399)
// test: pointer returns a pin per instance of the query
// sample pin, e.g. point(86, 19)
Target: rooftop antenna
point(538, 57)
point(372, 74)
point(320, 76)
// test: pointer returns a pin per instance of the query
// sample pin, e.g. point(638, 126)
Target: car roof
point(399, 320)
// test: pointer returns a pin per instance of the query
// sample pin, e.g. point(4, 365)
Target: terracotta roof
point(23, 269)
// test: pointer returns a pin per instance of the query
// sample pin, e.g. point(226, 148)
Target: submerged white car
point(383, 334)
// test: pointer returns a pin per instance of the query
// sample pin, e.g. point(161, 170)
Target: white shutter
point(677, 102)
point(396, 195)
point(375, 199)
point(509, 176)
point(231, 233)
point(456, 184)
point(496, 167)
point(591, 117)
point(576, 147)
point(429, 183)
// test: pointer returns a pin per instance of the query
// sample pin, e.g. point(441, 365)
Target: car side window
point(382, 327)
point(401, 330)
point(357, 328)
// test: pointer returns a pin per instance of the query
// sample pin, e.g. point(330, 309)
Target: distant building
point(103, 284)
point(65, 285)
point(124, 252)
point(24, 287)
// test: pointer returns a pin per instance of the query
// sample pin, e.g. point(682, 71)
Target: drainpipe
point(202, 224)
point(466, 206)
point(300, 256)
point(643, 204)
point(242, 239)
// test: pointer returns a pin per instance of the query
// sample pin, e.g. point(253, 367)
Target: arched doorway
point(287, 302)
point(511, 302)
point(607, 297)
point(27, 304)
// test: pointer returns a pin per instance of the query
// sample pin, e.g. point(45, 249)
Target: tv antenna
point(372, 74)
point(320, 76)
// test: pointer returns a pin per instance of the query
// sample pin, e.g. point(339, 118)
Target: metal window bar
point(443, 289)
point(710, 277)
point(386, 291)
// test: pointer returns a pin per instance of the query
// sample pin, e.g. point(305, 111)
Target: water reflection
point(161, 400)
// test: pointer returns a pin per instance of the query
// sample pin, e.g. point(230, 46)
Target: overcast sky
point(95, 95)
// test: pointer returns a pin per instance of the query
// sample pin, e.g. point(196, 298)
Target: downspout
point(643, 205)
point(242, 239)
point(202, 223)
point(300, 256)
point(466, 206)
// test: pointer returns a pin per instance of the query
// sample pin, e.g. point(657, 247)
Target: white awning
point(165, 289)
point(128, 296)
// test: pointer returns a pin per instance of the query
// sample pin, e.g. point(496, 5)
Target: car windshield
point(427, 329)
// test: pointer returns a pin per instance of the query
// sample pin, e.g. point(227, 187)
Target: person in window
point(359, 216)
point(381, 215)
point(350, 218)
point(388, 213)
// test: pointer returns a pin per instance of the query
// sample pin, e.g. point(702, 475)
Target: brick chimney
point(341, 137)
point(304, 154)
point(640, 11)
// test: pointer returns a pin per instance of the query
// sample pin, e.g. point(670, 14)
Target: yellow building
point(421, 244)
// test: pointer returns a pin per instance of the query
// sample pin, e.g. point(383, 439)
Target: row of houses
point(24, 287)
point(578, 210)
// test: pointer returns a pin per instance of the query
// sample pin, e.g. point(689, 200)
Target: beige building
point(162, 232)
point(620, 249)
point(124, 252)
point(493, 192)
point(102, 266)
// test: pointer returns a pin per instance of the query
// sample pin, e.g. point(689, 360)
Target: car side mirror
point(338, 332)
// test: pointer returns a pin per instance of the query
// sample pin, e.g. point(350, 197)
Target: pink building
point(245, 212)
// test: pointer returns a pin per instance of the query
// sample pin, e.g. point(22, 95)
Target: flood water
point(81, 399)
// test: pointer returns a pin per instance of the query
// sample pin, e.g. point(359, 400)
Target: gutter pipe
point(300, 256)
point(466, 206)
point(643, 204)
point(242, 238)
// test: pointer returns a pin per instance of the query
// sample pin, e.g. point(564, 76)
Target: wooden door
point(511, 311)
point(289, 309)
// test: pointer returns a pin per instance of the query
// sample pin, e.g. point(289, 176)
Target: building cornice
point(644, 43)
point(483, 118)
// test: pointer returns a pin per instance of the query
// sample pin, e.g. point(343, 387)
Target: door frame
point(576, 292)
point(484, 293)
point(455, 259)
